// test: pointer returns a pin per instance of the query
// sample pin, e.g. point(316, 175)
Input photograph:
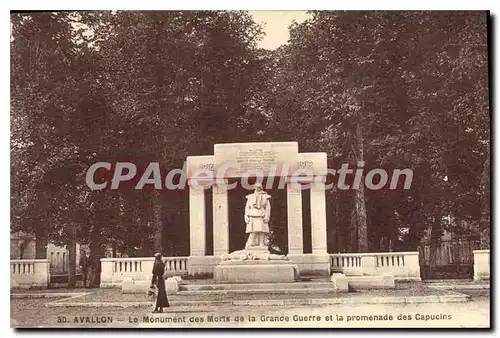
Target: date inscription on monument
point(200, 164)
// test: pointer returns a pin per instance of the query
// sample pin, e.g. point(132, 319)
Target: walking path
point(470, 307)
point(405, 293)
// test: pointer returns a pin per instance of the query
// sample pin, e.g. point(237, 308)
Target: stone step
point(181, 296)
point(256, 286)
point(339, 299)
point(250, 292)
point(178, 304)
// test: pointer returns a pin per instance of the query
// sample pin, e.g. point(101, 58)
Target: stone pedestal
point(481, 264)
point(202, 266)
point(135, 285)
point(172, 285)
point(258, 250)
point(255, 271)
point(371, 282)
point(412, 267)
point(339, 282)
point(311, 264)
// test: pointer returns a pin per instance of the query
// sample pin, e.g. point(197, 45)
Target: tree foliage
point(390, 89)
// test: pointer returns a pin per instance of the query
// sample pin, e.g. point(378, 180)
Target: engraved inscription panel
point(273, 158)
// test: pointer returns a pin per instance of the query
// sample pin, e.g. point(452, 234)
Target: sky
point(276, 25)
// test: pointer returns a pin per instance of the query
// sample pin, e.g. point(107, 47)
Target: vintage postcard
point(247, 169)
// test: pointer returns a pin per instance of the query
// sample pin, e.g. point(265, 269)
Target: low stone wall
point(114, 270)
point(311, 264)
point(29, 273)
point(481, 264)
point(401, 265)
point(202, 266)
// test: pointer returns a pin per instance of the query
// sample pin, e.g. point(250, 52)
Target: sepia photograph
point(250, 169)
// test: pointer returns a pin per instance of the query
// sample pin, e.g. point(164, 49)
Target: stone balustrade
point(402, 265)
point(481, 264)
point(343, 262)
point(113, 270)
point(29, 273)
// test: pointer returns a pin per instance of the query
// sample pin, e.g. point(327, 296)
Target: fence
point(454, 259)
point(402, 265)
point(29, 273)
point(113, 270)
point(59, 259)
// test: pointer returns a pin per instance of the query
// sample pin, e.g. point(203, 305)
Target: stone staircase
point(297, 286)
point(252, 290)
point(207, 295)
point(264, 294)
point(315, 291)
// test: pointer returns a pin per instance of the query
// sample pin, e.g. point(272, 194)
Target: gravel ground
point(115, 295)
point(455, 281)
point(32, 313)
point(55, 290)
point(477, 295)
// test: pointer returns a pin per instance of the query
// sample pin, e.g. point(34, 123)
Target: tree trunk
point(336, 230)
point(41, 244)
point(360, 207)
point(158, 223)
point(157, 207)
point(393, 237)
point(484, 222)
point(71, 245)
point(95, 256)
point(96, 243)
point(353, 233)
point(434, 244)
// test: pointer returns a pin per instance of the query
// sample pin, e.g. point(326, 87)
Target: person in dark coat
point(159, 281)
point(85, 267)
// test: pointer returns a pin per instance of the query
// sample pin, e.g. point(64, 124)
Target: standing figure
point(85, 267)
point(257, 215)
point(159, 281)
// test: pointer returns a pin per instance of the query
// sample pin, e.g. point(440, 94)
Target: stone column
point(197, 222)
point(220, 221)
point(318, 219)
point(294, 214)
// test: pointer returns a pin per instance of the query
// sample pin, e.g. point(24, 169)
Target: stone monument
point(276, 161)
point(255, 263)
point(257, 215)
